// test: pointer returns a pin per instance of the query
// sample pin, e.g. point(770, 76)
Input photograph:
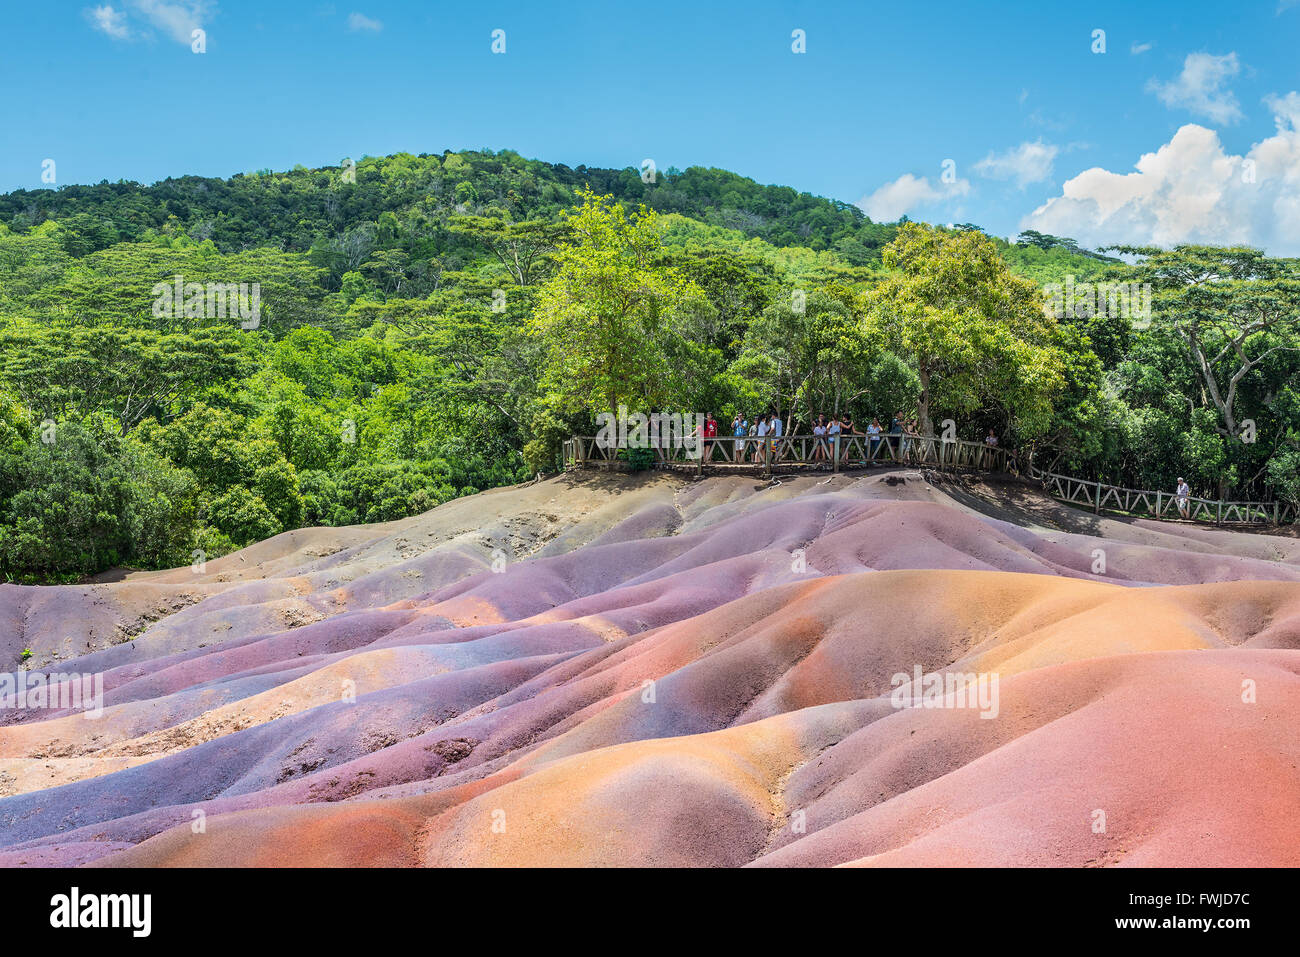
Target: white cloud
point(906, 193)
point(1026, 163)
point(1138, 48)
point(1285, 109)
point(1200, 88)
point(358, 21)
point(1191, 191)
point(110, 21)
point(1047, 122)
point(177, 18)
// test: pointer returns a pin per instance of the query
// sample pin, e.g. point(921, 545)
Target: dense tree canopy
point(610, 314)
point(437, 324)
point(975, 334)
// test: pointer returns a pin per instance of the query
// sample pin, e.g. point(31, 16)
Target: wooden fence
point(1159, 504)
point(848, 451)
point(748, 453)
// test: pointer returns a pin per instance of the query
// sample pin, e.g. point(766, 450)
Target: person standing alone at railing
point(873, 440)
point(1181, 497)
point(819, 438)
point(850, 430)
point(911, 432)
point(896, 435)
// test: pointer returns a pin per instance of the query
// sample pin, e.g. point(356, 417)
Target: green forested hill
point(428, 326)
point(402, 204)
point(296, 210)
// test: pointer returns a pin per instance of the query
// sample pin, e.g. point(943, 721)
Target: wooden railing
point(1160, 504)
point(853, 451)
point(770, 452)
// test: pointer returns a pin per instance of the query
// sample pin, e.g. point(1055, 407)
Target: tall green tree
point(1234, 309)
point(607, 313)
point(522, 248)
point(973, 332)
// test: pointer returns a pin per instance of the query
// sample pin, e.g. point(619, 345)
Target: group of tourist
point(829, 433)
point(744, 433)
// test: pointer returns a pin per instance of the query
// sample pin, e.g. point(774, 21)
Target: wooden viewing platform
point(760, 456)
point(1159, 504)
point(728, 454)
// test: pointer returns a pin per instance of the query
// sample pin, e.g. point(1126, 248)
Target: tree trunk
point(923, 405)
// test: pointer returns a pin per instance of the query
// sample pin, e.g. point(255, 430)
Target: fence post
point(1096, 508)
point(767, 457)
point(1219, 520)
point(1158, 502)
point(835, 452)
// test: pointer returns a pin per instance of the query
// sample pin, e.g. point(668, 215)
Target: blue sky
point(1012, 94)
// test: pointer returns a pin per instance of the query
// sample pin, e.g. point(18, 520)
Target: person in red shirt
point(710, 432)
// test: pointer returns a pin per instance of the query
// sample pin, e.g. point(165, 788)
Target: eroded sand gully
point(675, 673)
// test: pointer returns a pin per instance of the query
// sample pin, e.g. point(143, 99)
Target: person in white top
point(761, 434)
point(819, 439)
point(833, 432)
point(1182, 493)
point(775, 431)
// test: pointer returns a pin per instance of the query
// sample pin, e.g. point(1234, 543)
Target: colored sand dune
point(613, 670)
